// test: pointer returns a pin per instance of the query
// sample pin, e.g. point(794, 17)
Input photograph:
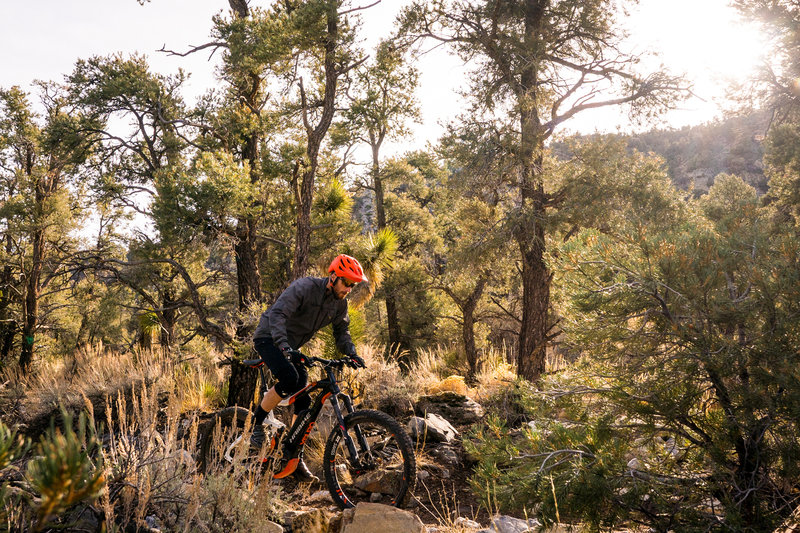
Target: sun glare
point(705, 39)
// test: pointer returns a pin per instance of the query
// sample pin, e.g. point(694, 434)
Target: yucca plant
point(67, 469)
point(376, 255)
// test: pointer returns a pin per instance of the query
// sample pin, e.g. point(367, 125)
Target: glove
point(297, 358)
point(357, 362)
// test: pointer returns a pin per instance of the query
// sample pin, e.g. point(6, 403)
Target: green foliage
point(420, 306)
point(12, 446)
point(357, 329)
point(693, 325)
point(67, 469)
point(210, 197)
point(384, 99)
point(333, 199)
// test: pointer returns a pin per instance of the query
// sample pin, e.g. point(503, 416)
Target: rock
point(456, 408)
point(423, 475)
point(374, 517)
point(336, 523)
point(433, 428)
point(440, 426)
point(416, 427)
point(289, 516)
point(379, 482)
point(509, 524)
point(445, 454)
point(466, 522)
point(316, 521)
point(321, 496)
point(270, 527)
point(82, 518)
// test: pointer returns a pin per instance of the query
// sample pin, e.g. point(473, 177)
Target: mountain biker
point(306, 306)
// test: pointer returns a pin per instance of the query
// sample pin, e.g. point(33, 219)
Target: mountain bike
point(368, 455)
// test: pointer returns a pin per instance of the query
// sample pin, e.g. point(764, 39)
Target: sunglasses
point(348, 283)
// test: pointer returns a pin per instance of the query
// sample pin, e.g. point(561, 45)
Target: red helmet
point(348, 268)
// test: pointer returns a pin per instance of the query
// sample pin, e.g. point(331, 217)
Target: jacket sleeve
point(285, 306)
point(341, 332)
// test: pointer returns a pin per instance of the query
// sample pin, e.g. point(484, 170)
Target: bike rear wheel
point(384, 470)
point(223, 440)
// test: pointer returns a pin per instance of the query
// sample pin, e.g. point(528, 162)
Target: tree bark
point(8, 326)
point(392, 319)
point(45, 186)
point(530, 234)
point(468, 307)
point(393, 324)
point(315, 138)
point(242, 385)
point(30, 318)
point(169, 318)
point(248, 274)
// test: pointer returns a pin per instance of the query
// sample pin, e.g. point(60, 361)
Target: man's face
point(340, 287)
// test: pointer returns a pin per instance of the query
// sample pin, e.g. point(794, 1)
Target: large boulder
point(380, 518)
point(456, 408)
point(432, 428)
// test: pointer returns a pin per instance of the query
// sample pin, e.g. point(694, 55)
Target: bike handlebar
point(310, 361)
point(305, 360)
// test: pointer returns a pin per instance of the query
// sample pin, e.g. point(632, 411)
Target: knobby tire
point(387, 470)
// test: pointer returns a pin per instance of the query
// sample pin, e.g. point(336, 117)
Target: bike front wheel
point(370, 459)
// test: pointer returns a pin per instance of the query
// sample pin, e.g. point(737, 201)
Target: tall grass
point(143, 409)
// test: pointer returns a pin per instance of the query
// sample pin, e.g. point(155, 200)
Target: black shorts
point(291, 378)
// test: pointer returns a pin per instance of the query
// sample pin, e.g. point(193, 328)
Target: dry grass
point(150, 445)
point(95, 373)
point(92, 372)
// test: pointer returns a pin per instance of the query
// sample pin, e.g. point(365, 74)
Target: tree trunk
point(392, 320)
point(169, 318)
point(393, 324)
point(248, 274)
point(377, 182)
point(535, 304)
point(31, 307)
point(468, 328)
point(315, 137)
point(242, 385)
point(242, 380)
point(302, 249)
point(7, 325)
point(529, 233)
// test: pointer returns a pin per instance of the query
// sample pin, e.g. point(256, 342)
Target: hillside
point(696, 155)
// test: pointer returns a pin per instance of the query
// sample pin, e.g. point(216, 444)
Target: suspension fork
point(348, 405)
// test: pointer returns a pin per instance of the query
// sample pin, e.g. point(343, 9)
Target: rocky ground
point(443, 501)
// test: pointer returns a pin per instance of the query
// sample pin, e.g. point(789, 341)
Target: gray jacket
point(302, 310)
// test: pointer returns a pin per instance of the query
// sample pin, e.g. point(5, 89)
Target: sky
point(43, 40)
